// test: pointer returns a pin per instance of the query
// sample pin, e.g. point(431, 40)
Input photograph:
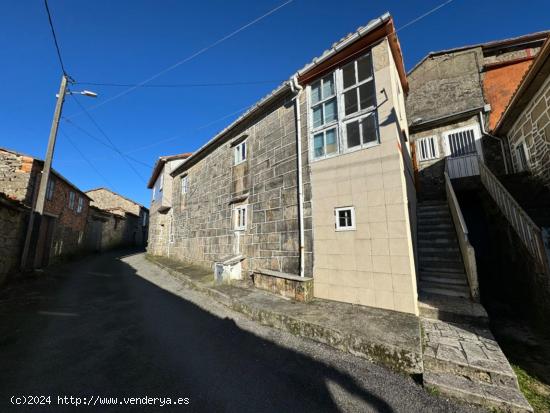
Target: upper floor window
point(345, 218)
point(72, 197)
point(342, 109)
point(161, 182)
point(521, 155)
point(154, 193)
point(80, 205)
point(427, 148)
point(240, 153)
point(144, 223)
point(50, 188)
point(184, 184)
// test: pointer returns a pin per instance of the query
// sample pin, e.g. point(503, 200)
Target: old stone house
point(313, 186)
point(161, 214)
point(525, 123)
point(457, 97)
point(65, 211)
point(134, 231)
point(13, 221)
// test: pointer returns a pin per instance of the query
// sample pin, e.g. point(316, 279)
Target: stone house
point(457, 97)
point(136, 217)
point(65, 210)
point(160, 219)
point(313, 186)
point(110, 229)
point(525, 123)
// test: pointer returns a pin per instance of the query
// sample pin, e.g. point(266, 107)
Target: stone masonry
point(266, 182)
point(13, 217)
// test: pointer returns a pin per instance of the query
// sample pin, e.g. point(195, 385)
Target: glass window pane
point(315, 93)
point(348, 72)
point(350, 101)
point(330, 141)
point(328, 87)
point(330, 111)
point(367, 95)
point(318, 148)
point(364, 67)
point(369, 130)
point(317, 116)
point(353, 138)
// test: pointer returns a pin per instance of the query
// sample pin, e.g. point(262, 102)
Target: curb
point(396, 359)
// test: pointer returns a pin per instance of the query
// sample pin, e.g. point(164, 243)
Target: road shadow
point(104, 330)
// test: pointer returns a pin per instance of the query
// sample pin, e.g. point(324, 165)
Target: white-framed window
point(184, 184)
point(426, 148)
point(72, 197)
point(521, 155)
point(345, 218)
point(80, 205)
point(240, 217)
point(161, 183)
point(50, 188)
point(154, 193)
point(342, 109)
point(240, 153)
point(144, 223)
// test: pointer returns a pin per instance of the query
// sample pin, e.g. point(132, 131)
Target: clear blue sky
point(128, 41)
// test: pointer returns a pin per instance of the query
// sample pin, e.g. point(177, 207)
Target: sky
point(129, 41)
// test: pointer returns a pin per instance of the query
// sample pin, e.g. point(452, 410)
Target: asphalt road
point(115, 325)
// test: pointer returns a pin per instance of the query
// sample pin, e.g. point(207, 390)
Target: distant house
point(161, 219)
point(135, 216)
point(65, 209)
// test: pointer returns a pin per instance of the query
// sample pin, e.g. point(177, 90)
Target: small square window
point(345, 218)
point(240, 153)
point(240, 217)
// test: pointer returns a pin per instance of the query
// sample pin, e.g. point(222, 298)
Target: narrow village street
point(115, 325)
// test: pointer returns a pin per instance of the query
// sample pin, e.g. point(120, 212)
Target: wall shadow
point(104, 330)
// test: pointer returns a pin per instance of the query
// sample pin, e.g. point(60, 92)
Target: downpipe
point(484, 132)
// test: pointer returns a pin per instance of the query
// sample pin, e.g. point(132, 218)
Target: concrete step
point(445, 280)
point(451, 254)
point(428, 288)
point(432, 202)
point(459, 288)
point(438, 242)
point(481, 394)
point(434, 222)
point(436, 226)
point(429, 234)
point(458, 272)
point(452, 309)
point(438, 249)
point(433, 213)
point(431, 262)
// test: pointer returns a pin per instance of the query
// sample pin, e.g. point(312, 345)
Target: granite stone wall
point(203, 230)
point(13, 223)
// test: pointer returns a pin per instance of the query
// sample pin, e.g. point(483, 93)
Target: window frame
point(236, 217)
point(184, 184)
point(339, 228)
point(80, 205)
point(238, 156)
point(522, 167)
point(342, 120)
point(418, 143)
point(50, 188)
point(72, 199)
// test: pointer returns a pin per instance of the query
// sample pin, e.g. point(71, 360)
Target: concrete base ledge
point(284, 284)
point(385, 337)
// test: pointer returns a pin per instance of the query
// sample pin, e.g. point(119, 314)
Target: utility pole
point(40, 198)
point(39, 208)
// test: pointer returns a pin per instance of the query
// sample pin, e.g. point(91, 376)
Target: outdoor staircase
point(460, 355)
point(441, 268)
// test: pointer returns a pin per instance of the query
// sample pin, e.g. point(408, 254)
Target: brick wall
point(203, 218)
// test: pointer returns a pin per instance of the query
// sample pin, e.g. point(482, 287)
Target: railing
point(529, 233)
point(466, 249)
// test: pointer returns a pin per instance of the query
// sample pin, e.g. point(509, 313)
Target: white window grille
point(427, 148)
point(184, 184)
point(345, 218)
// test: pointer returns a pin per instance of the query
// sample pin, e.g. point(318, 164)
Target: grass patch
point(536, 392)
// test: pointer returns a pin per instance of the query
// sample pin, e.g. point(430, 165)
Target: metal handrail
point(529, 232)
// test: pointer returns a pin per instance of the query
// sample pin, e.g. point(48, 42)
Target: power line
point(100, 129)
point(85, 132)
point(189, 58)
point(55, 39)
point(178, 85)
point(86, 159)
